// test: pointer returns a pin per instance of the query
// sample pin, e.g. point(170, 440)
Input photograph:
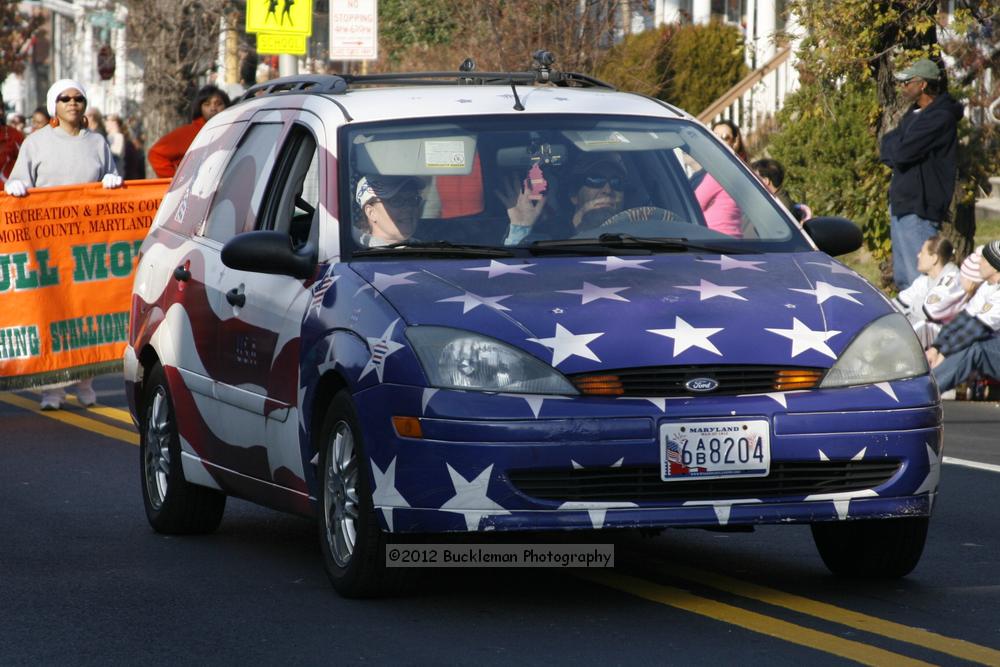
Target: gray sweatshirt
point(49, 156)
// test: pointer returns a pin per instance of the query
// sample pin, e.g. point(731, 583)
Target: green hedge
point(827, 144)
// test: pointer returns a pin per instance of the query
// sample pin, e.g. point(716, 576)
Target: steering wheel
point(639, 219)
point(640, 214)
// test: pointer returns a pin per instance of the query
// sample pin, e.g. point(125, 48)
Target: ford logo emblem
point(702, 384)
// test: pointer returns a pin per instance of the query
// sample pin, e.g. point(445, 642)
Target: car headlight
point(456, 359)
point(887, 349)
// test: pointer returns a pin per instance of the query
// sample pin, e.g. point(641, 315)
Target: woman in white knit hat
point(64, 153)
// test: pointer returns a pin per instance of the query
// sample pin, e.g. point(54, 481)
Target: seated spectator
point(970, 342)
point(772, 175)
point(937, 295)
point(390, 206)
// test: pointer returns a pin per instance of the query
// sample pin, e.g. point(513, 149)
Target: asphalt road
point(84, 580)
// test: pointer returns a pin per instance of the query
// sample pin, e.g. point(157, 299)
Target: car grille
point(643, 483)
point(670, 380)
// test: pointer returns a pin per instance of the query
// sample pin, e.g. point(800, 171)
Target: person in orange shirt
point(166, 154)
point(10, 144)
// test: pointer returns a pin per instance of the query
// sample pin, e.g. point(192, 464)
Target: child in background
point(937, 295)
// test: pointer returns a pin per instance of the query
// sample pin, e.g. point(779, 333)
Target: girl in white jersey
point(937, 295)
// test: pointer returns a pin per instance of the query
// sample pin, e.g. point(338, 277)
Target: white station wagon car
point(464, 301)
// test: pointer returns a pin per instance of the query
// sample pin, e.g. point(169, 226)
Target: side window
point(292, 199)
point(246, 173)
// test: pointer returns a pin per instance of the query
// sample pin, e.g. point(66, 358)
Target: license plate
point(700, 450)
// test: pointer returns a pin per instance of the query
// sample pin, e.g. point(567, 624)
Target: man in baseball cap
point(391, 207)
point(922, 152)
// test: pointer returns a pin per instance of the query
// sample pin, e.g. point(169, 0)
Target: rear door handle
point(236, 297)
point(182, 273)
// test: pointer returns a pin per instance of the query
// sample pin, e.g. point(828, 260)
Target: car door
point(261, 327)
point(234, 425)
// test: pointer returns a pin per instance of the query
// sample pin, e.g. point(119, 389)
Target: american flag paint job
point(249, 386)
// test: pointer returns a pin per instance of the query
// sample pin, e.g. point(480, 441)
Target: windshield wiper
point(673, 243)
point(413, 247)
point(620, 241)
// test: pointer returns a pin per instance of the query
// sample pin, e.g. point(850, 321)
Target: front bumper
point(510, 462)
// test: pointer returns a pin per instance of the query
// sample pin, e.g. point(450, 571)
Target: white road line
point(972, 464)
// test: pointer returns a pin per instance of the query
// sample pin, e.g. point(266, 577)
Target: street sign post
point(288, 17)
point(353, 29)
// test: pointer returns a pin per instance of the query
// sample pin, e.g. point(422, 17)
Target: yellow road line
point(765, 625)
point(955, 647)
point(111, 413)
point(72, 419)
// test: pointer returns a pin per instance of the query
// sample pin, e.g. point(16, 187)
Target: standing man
point(922, 154)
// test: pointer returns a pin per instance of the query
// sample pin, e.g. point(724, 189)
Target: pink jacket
point(721, 212)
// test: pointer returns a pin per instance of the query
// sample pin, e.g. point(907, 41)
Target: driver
point(391, 207)
point(596, 185)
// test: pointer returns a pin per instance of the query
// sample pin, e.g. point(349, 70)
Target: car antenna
point(517, 100)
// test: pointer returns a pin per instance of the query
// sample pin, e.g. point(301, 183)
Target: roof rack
point(337, 84)
point(314, 83)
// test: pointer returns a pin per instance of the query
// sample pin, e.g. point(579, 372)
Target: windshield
point(553, 183)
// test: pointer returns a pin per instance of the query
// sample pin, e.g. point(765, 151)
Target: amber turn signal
point(797, 378)
point(407, 427)
point(600, 385)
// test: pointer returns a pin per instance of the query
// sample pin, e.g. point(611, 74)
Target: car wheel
point(173, 505)
point(883, 548)
point(351, 539)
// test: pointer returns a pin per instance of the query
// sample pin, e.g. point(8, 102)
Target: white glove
point(16, 188)
point(111, 181)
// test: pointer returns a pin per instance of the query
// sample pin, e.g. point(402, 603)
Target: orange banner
point(67, 258)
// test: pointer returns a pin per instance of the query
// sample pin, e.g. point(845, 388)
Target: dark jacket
point(922, 154)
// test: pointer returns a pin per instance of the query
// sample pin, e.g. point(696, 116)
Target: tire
point(350, 536)
point(879, 548)
point(173, 505)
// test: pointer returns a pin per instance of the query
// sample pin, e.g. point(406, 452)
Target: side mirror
point(834, 236)
point(269, 252)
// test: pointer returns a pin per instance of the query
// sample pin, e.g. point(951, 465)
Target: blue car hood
point(591, 313)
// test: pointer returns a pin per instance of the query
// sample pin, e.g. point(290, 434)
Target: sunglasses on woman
point(600, 181)
point(66, 99)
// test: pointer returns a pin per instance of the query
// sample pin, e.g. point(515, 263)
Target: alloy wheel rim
point(157, 458)
point(340, 497)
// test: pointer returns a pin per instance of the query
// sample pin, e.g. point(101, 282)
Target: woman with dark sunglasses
point(64, 152)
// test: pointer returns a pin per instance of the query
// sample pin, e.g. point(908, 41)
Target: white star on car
point(383, 281)
point(613, 263)
point(591, 292)
point(707, 289)
point(386, 496)
point(803, 338)
point(686, 336)
point(566, 343)
point(470, 301)
point(726, 263)
point(835, 268)
point(470, 499)
point(381, 349)
point(499, 268)
point(826, 291)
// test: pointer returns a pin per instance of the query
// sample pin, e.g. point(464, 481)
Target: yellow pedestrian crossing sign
point(288, 17)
